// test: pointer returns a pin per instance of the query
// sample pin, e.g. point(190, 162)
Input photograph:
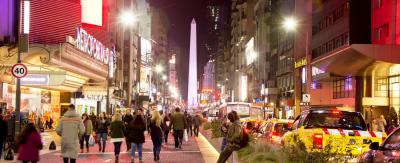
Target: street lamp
point(127, 18)
point(164, 77)
point(290, 23)
point(159, 68)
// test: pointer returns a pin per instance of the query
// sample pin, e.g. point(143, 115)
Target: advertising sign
point(90, 45)
point(92, 12)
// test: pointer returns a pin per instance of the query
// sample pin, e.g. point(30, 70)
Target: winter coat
point(128, 118)
point(30, 150)
point(196, 121)
point(136, 133)
point(102, 126)
point(189, 120)
point(178, 121)
point(156, 133)
point(88, 127)
point(117, 129)
point(3, 130)
point(234, 135)
point(70, 129)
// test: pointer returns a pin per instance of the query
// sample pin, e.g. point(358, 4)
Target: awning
point(360, 60)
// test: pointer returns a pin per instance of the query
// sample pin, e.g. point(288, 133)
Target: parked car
point(273, 130)
point(389, 151)
point(319, 128)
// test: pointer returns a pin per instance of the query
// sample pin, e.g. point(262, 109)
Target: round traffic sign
point(19, 70)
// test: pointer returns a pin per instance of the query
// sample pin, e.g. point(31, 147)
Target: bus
point(243, 109)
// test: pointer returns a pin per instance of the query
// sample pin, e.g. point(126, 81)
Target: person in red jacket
point(30, 143)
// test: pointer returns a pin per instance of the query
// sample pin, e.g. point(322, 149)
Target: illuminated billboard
point(145, 67)
point(92, 12)
point(251, 55)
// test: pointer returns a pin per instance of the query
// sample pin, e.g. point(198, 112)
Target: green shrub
point(215, 127)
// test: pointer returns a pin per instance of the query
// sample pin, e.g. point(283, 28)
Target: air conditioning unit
point(70, 39)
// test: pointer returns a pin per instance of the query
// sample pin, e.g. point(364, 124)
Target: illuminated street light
point(127, 18)
point(290, 24)
point(164, 77)
point(159, 68)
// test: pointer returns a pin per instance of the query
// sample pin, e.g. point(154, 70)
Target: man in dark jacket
point(189, 122)
point(196, 124)
point(178, 124)
point(101, 129)
point(127, 119)
point(3, 133)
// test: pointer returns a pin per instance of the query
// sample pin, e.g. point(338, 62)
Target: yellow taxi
point(333, 131)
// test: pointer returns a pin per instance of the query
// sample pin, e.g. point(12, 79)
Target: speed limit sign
point(19, 70)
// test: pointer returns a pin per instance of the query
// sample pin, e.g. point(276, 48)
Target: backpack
point(244, 141)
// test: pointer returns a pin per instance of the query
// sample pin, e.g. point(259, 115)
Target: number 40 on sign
point(19, 70)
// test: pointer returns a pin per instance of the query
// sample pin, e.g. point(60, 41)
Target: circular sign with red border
point(19, 70)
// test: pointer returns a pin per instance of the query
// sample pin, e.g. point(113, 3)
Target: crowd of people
point(83, 131)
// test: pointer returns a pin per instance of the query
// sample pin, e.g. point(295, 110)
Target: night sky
point(180, 14)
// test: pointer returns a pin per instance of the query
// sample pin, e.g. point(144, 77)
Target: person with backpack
point(178, 124)
point(29, 144)
point(234, 137)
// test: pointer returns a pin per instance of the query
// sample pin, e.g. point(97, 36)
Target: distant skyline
point(180, 14)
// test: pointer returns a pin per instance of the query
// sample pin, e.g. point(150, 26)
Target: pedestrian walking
point(374, 125)
point(156, 134)
point(93, 118)
point(135, 135)
point(29, 143)
point(196, 124)
point(178, 124)
point(224, 131)
point(165, 126)
point(233, 137)
point(102, 131)
point(117, 129)
point(189, 122)
point(381, 123)
point(69, 128)
point(3, 133)
point(127, 119)
point(88, 132)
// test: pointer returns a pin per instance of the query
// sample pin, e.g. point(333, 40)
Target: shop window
point(381, 87)
point(343, 88)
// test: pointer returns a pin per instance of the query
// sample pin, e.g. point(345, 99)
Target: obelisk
point(192, 81)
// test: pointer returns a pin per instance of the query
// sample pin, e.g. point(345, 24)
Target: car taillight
point(275, 136)
point(317, 139)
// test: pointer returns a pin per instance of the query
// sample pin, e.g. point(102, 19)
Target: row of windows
point(331, 45)
point(331, 18)
point(343, 88)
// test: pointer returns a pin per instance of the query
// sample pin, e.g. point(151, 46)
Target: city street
point(190, 151)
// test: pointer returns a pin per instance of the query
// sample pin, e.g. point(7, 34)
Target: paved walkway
point(196, 150)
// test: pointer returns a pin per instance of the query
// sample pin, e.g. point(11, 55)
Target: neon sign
point(88, 44)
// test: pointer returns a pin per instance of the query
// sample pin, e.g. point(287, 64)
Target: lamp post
point(291, 24)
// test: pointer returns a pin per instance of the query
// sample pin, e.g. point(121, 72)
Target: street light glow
point(164, 77)
point(127, 18)
point(290, 23)
point(159, 68)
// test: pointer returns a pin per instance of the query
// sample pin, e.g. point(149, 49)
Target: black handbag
point(9, 155)
point(52, 145)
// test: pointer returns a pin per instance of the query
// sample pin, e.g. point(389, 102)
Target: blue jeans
point(139, 147)
point(223, 144)
point(157, 149)
point(117, 148)
point(102, 137)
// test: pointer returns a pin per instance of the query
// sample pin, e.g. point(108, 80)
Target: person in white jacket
point(70, 129)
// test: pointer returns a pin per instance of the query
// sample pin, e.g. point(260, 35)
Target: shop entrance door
point(394, 95)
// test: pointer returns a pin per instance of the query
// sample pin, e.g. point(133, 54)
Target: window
point(377, 4)
point(381, 87)
point(343, 88)
point(381, 32)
